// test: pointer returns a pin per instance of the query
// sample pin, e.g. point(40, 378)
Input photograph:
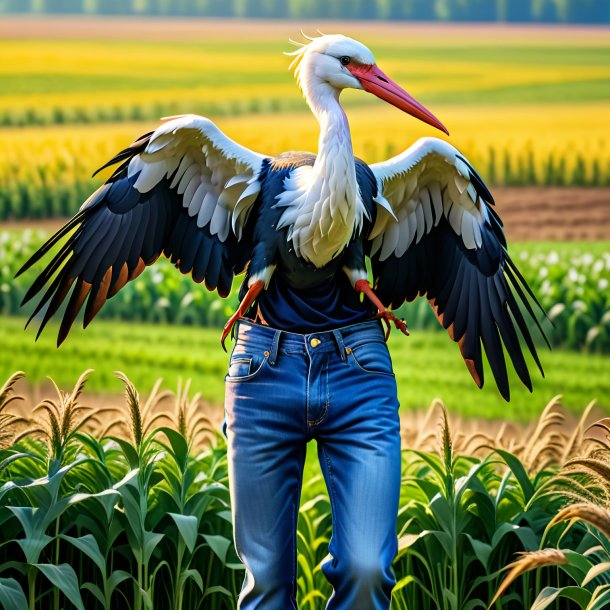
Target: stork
point(303, 223)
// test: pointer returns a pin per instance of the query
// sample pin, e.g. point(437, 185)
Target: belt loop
point(340, 344)
point(275, 344)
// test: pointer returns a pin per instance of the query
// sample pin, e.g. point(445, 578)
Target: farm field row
point(427, 364)
point(46, 79)
point(46, 171)
point(141, 510)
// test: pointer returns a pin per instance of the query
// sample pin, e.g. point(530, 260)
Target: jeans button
point(314, 342)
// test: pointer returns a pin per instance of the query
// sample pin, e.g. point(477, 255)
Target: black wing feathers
point(115, 235)
point(478, 294)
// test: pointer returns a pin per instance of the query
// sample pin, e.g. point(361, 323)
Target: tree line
point(549, 11)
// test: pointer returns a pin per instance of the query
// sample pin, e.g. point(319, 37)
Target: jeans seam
point(326, 404)
point(331, 491)
point(307, 389)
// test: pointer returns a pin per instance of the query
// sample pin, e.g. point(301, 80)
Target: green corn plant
point(313, 535)
point(99, 519)
point(141, 455)
point(586, 568)
point(454, 528)
point(47, 497)
point(192, 507)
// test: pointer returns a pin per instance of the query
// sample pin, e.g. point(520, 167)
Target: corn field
point(131, 507)
point(571, 282)
point(46, 172)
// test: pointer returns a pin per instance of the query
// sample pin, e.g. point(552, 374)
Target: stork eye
point(345, 60)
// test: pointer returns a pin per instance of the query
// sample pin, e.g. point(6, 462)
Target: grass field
point(427, 364)
point(526, 105)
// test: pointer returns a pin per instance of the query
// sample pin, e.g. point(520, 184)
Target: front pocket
point(373, 357)
point(240, 367)
point(243, 367)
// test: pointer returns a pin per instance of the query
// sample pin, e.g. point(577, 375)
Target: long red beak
point(375, 81)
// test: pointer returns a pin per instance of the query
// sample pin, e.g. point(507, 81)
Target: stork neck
point(335, 142)
point(323, 207)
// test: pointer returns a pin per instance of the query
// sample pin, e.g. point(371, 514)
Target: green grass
point(427, 364)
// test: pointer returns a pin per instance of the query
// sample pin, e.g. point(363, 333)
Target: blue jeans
point(282, 390)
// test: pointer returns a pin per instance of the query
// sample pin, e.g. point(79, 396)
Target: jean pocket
point(245, 366)
point(373, 357)
point(240, 367)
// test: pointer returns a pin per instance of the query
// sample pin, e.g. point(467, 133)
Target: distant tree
point(544, 10)
point(423, 10)
point(112, 7)
point(568, 11)
point(474, 10)
point(221, 8)
point(515, 10)
point(584, 11)
point(65, 6)
point(277, 9)
point(420, 10)
point(363, 9)
point(442, 9)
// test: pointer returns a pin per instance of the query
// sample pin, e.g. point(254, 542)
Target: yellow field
point(68, 153)
point(526, 105)
point(98, 76)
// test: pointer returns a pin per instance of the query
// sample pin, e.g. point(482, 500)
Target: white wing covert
point(185, 190)
point(437, 234)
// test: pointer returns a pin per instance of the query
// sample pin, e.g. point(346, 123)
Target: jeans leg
point(266, 449)
point(359, 449)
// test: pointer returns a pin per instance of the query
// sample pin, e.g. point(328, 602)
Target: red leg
point(250, 297)
point(387, 316)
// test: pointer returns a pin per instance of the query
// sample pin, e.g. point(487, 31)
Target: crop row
point(571, 283)
point(57, 189)
point(46, 172)
point(95, 513)
point(137, 111)
point(55, 186)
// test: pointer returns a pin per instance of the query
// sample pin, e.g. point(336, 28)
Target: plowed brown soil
point(556, 214)
point(528, 213)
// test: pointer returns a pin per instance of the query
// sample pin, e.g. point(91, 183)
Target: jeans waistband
point(275, 340)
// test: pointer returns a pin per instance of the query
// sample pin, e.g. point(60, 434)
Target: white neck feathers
point(323, 207)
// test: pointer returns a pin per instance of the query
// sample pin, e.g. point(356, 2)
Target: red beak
point(375, 81)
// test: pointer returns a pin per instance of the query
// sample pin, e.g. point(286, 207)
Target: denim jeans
point(282, 390)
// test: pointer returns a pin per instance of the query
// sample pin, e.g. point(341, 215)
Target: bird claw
point(388, 317)
point(228, 328)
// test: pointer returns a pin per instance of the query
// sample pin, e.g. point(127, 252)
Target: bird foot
point(253, 291)
point(388, 317)
point(228, 327)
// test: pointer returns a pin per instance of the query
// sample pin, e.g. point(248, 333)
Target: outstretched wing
point(184, 190)
point(445, 241)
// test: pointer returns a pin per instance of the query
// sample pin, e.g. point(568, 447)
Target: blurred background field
point(528, 105)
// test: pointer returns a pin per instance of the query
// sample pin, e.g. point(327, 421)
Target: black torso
point(300, 296)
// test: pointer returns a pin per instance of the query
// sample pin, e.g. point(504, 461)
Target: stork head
point(345, 63)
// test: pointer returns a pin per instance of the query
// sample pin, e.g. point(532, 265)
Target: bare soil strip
point(528, 213)
point(554, 214)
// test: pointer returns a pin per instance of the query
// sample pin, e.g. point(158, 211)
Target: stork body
point(301, 225)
